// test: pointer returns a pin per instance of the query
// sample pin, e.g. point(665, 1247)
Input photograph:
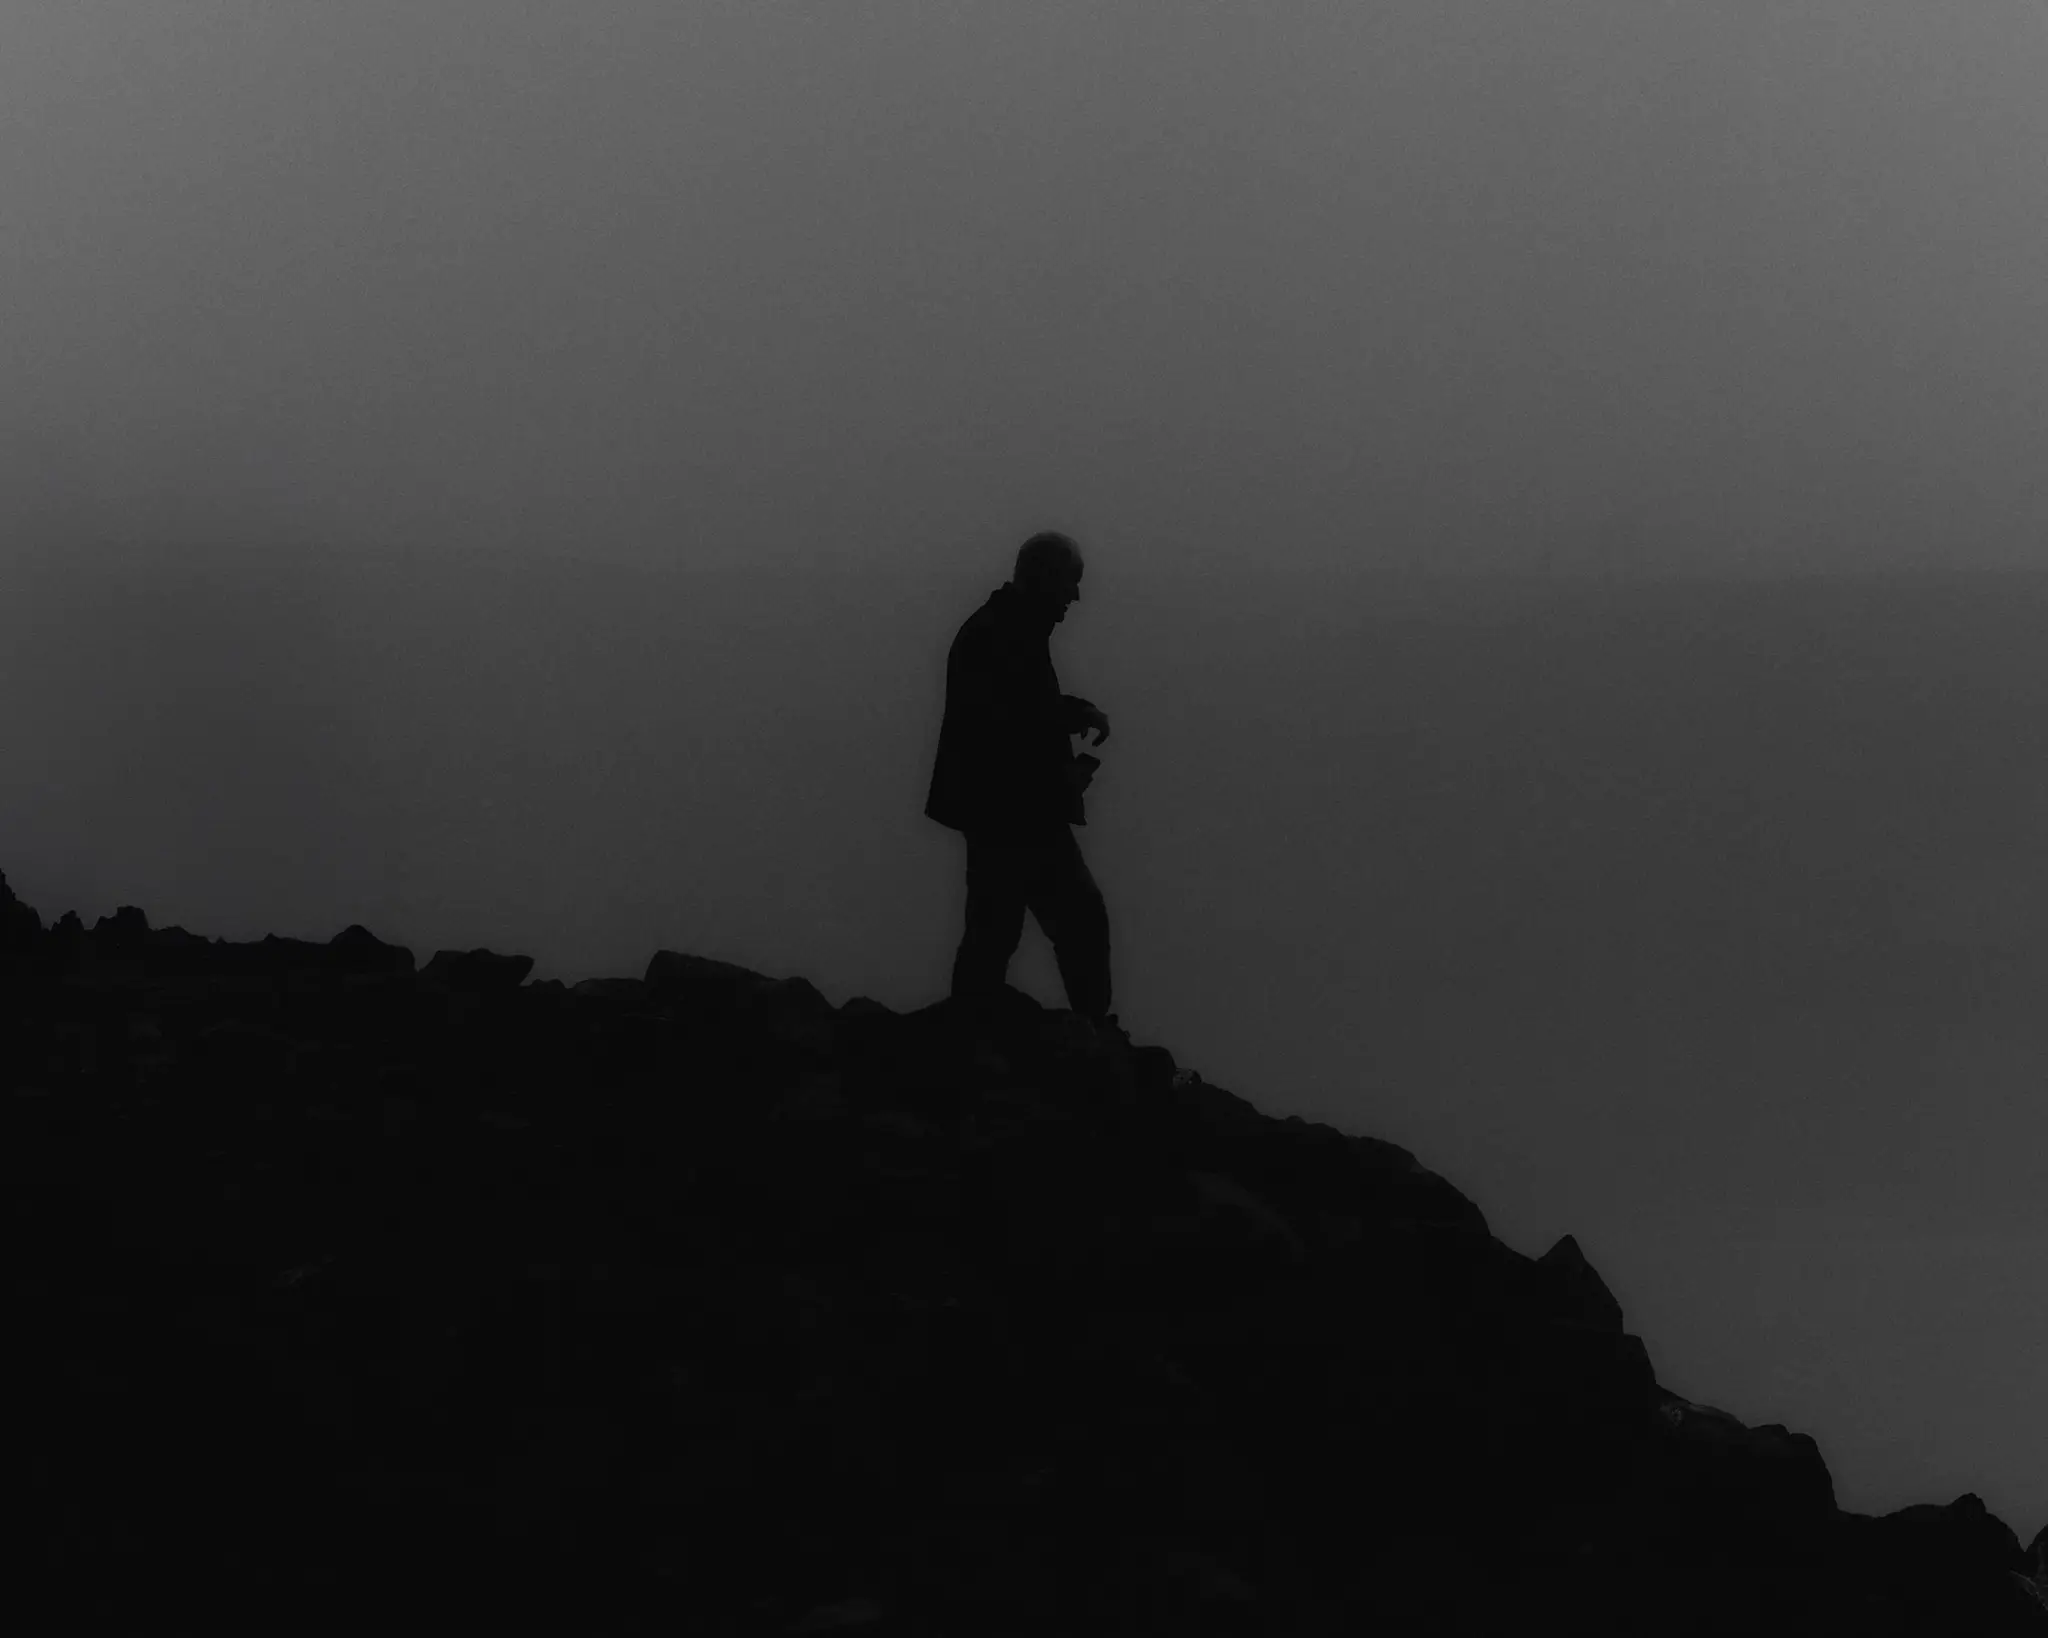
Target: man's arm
point(1077, 716)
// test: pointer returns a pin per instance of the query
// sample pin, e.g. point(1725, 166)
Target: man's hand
point(1092, 718)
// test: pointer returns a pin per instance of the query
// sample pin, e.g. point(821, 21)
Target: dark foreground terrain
point(345, 1297)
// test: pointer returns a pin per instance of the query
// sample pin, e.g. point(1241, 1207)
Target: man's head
point(1049, 573)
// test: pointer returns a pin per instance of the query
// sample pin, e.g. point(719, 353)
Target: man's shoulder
point(983, 618)
point(987, 625)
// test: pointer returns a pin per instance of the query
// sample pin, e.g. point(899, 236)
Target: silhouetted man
point(1007, 778)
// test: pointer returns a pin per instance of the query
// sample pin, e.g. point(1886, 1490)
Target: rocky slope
point(346, 1293)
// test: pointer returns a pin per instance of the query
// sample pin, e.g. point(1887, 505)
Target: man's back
point(1003, 742)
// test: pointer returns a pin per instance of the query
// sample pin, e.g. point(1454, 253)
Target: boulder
point(292, 958)
point(1573, 1289)
point(1953, 1568)
point(126, 926)
point(2034, 1572)
point(784, 1019)
point(173, 949)
point(1713, 1474)
point(356, 951)
point(1153, 1071)
point(700, 983)
point(1229, 1218)
point(476, 972)
point(20, 927)
point(624, 990)
point(1963, 1535)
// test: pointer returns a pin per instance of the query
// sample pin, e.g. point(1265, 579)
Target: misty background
point(1563, 514)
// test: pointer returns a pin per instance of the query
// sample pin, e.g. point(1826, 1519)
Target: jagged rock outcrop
point(688, 1302)
point(2034, 1571)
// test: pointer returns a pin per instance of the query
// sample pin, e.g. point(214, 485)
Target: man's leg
point(1066, 902)
point(995, 916)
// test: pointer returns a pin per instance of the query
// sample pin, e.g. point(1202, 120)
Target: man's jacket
point(1003, 743)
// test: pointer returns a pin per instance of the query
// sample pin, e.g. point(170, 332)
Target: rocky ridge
point(348, 1291)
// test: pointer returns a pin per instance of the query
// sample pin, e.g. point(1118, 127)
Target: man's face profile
point(1062, 588)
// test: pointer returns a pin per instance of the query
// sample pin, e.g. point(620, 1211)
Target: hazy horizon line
point(1103, 559)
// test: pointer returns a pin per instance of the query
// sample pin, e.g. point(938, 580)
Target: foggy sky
point(508, 474)
point(1428, 281)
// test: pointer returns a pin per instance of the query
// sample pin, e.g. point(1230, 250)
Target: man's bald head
point(1049, 573)
point(1048, 556)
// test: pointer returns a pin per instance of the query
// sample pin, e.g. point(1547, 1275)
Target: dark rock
point(20, 927)
point(356, 950)
point(279, 956)
point(690, 1302)
point(2033, 1575)
point(785, 1024)
point(475, 972)
point(1153, 1071)
point(244, 1055)
point(126, 926)
point(1576, 1291)
point(701, 983)
point(610, 989)
point(1951, 1568)
point(1225, 1224)
point(1966, 1525)
point(1963, 1535)
point(1719, 1476)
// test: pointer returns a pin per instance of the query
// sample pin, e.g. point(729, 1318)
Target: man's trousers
point(1046, 875)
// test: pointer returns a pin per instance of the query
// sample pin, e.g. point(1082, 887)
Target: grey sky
point(1424, 281)
point(509, 473)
